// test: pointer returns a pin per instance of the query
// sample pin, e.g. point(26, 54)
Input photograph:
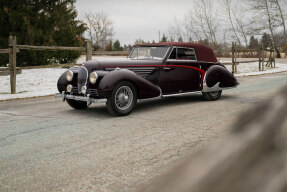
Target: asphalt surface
point(47, 146)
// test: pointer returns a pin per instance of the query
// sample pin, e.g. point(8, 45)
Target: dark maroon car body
point(151, 77)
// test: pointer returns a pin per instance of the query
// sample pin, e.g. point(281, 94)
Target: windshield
point(148, 52)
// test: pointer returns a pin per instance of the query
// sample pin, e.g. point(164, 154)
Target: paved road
point(47, 146)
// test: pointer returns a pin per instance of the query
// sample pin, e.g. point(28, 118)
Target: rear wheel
point(212, 96)
point(123, 99)
point(77, 104)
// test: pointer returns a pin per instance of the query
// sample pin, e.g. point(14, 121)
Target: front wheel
point(212, 96)
point(123, 99)
point(77, 104)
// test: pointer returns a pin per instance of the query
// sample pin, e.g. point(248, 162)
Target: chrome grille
point(93, 92)
point(142, 71)
point(74, 90)
point(82, 78)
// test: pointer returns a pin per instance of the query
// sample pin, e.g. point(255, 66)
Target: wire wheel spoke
point(123, 97)
point(214, 93)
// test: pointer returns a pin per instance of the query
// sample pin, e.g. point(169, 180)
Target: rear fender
point(218, 78)
point(145, 88)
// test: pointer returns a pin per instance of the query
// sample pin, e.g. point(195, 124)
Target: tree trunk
point(227, 2)
point(282, 18)
point(240, 24)
point(271, 29)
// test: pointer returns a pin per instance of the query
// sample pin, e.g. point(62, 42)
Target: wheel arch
point(145, 89)
point(218, 78)
point(134, 84)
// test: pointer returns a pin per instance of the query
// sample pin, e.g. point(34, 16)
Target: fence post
point(12, 63)
point(233, 54)
point(274, 57)
point(89, 50)
point(234, 59)
point(261, 59)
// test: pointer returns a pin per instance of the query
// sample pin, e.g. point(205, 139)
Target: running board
point(180, 94)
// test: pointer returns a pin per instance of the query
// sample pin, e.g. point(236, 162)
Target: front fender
point(145, 88)
point(218, 78)
point(62, 81)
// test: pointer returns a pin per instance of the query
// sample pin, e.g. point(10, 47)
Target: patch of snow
point(31, 83)
point(251, 69)
point(277, 69)
point(82, 59)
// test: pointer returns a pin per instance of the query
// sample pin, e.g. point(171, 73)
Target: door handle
point(167, 68)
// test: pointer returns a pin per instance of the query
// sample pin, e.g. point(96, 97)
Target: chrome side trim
point(87, 98)
point(160, 92)
point(180, 94)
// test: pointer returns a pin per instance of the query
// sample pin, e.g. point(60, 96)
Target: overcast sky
point(135, 19)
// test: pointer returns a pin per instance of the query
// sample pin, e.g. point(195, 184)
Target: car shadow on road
point(95, 110)
point(168, 101)
point(150, 104)
point(100, 110)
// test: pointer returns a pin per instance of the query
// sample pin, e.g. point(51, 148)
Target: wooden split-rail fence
point(270, 62)
point(14, 49)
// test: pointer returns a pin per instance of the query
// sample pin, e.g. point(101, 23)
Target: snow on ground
point(82, 59)
point(251, 69)
point(31, 83)
point(42, 82)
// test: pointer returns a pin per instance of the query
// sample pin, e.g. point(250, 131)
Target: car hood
point(102, 64)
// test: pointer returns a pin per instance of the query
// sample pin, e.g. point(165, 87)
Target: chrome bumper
point(87, 98)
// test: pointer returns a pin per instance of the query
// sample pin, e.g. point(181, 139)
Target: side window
point(173, 54)
point(186, 54)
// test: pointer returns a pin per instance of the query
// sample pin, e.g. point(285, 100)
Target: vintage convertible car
point(151, 70)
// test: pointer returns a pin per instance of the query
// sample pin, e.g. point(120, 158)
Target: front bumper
point(87, 98)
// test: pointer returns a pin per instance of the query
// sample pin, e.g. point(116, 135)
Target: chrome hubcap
point(214, 93)
point(124, 97)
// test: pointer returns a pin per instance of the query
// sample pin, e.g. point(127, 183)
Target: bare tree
point(100, 28)
point(278, 5)
point(208, 19)
point(267, 18)
point(199, 24)
point(175, 30)
point(191, 26)
point(227, 6)
point(241, 26)
point(87, 18)
point(199, 13)
point(179, 30)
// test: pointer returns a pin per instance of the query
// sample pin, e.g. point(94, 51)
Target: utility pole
point(159, 36)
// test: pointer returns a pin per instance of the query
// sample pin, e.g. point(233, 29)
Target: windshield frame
point(138, 46)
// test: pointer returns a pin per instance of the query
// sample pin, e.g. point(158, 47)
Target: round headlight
point(93, 77)
point(84, 89)
point(70, 75)
point(69, 88)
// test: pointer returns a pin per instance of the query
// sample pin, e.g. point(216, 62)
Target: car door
point(180, 72)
